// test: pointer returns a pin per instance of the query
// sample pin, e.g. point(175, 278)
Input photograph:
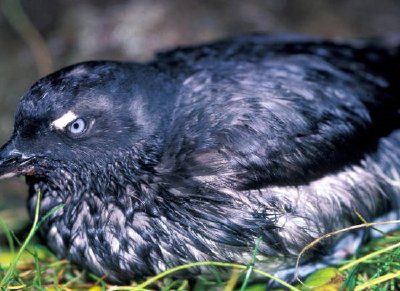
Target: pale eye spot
point(78, 126)
point(64, 120)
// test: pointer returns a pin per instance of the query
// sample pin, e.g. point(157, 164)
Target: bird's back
point(329, 102)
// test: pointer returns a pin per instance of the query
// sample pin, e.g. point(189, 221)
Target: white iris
point(78, 126)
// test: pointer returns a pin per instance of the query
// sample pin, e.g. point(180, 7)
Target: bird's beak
point(13, 162)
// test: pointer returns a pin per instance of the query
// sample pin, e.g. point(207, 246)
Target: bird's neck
point(108, 180)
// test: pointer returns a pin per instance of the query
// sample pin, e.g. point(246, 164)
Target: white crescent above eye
point(64, 120)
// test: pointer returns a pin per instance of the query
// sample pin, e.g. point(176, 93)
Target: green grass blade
point(12, 268)
point(210, 263)
point(8, 235)
point(251, 267)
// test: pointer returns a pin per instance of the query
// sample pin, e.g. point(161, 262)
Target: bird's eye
point(78, 126)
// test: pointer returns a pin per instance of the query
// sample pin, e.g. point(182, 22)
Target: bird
point(208, 152)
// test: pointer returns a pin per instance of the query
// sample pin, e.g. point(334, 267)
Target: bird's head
point(84, 114)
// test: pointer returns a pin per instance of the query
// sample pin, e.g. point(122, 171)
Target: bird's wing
point(285, 120)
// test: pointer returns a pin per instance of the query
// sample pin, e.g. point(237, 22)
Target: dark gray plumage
point(197, 154)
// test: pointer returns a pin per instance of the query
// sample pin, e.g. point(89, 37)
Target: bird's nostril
point(12, 161)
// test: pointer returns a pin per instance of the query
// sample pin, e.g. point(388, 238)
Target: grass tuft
point(12, 269)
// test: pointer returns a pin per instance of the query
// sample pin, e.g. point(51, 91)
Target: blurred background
point(39, 36)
